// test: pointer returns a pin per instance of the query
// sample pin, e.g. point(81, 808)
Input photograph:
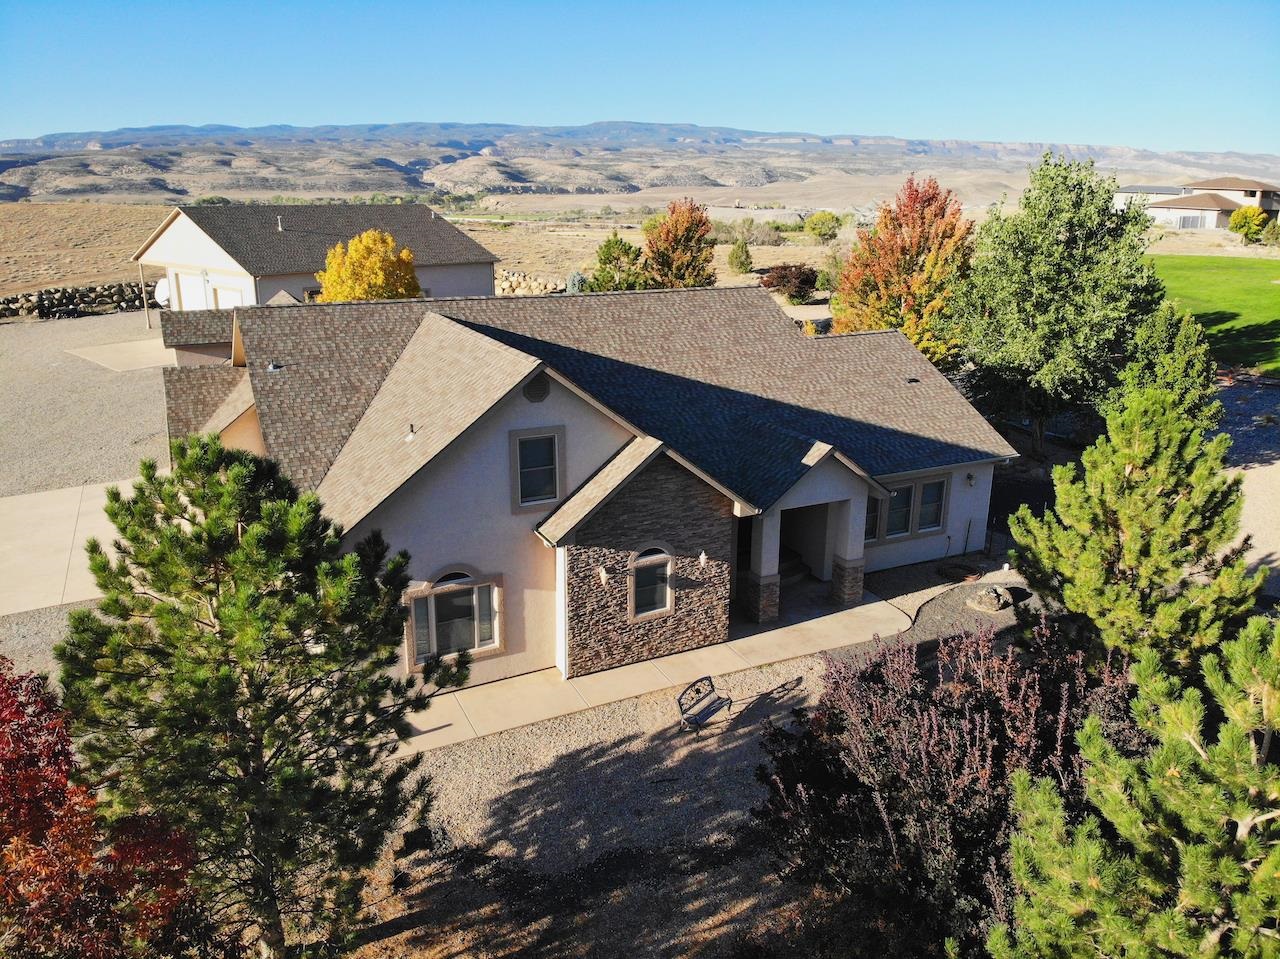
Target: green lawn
point(1236, 300)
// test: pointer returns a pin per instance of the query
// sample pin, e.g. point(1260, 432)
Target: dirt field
point(54, 244)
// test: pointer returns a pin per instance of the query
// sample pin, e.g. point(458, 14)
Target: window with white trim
point(915, 508)
point(537, 467)
point(455, 613)
point(651, 583)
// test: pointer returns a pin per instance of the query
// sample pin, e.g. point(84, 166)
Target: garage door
point(191, 292)
point(225, 298)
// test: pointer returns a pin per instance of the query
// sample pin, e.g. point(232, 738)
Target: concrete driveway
point(43, 562)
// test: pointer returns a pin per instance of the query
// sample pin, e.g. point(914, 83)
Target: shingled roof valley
point(294, 238)
point(722, 377)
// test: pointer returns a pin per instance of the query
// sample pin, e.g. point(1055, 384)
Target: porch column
point(848, 519)
point(760, 591)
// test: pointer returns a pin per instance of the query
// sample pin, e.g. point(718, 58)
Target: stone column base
point(760, 596)
point(846, 580)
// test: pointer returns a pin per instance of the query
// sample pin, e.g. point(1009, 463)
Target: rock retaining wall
point(66, 301)
point(522, 284)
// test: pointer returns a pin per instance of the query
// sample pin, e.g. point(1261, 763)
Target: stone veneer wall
point(846, 580)
point(666, 504)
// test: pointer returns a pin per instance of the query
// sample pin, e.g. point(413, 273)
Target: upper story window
point(456, 612)
point(651, 594)
point(537, 467)
point(915, 508)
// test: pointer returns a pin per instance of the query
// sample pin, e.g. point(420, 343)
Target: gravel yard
point(610, 831)
point(67, 421)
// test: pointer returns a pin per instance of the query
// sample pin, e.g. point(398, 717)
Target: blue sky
point(1171, 75)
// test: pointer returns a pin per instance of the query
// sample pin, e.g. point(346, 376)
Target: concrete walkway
point(42, 562)
point(509, 703)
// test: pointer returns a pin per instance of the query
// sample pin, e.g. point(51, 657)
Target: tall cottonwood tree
point(679, 248)
point(1140, 544)
point(368, 268)
point(235, 679)
point(1055, 294)
point(1180, 856)
point(902, 273)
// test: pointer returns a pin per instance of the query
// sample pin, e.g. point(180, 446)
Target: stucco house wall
point(664, 506)
point(457, 511)
point(965, 519)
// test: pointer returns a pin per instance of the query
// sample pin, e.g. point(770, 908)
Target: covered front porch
point(807, 548)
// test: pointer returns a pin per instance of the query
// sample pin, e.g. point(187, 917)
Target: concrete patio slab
point(130, 355)
point(683, 668)
point(624, 682)
point(442, 724)
point(519, 701)
point(91, 521)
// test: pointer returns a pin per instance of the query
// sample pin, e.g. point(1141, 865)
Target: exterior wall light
point(970, 479)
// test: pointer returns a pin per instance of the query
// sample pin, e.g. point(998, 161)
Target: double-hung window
point(456, 613)
point(916, 508)
point(537, 464)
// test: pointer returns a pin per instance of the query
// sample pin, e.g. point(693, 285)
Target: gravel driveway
point(1252, 417)
point(65, 421)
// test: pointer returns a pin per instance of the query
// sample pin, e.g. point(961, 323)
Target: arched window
point(456, 611)
point(650, 588)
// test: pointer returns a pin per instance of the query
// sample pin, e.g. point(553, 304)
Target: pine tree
point(679, 248)
point(1056, 292)
point(235, 680)
point(1171, 352)
point(368, 268)
point(902, 274)
point(740, 256)
point(1139, 544)
point(618, 267)
point(1182, 858)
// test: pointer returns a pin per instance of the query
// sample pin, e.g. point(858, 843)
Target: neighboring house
point(1203, 205)
point(594, 480)
point(221, 257)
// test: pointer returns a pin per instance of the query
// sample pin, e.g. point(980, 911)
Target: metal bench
point(699, 702)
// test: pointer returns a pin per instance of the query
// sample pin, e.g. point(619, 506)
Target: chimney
point(279, 224)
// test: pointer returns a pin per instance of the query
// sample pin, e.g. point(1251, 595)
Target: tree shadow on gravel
point(618, 848)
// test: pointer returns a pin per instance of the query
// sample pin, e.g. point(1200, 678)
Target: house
point(1203, 205)
point(587, 481)
point(221, 257)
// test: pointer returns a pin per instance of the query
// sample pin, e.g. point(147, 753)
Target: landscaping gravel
point(65, 421)
point(28, 638)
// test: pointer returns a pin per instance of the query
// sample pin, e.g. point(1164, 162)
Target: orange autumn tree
point(679, 248)
point(900, 274)
point(368, 268)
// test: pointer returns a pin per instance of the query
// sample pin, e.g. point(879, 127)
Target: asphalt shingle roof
point(194, 394)
point(447, 378)
point(250, 235)
point(1232, 183)
point(1198, 201)
point(195, 327)
point(721, 376)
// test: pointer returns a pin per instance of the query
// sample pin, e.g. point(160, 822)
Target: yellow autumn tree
point(368, 268)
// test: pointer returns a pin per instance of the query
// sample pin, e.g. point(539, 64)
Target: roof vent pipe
point(279, 224)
